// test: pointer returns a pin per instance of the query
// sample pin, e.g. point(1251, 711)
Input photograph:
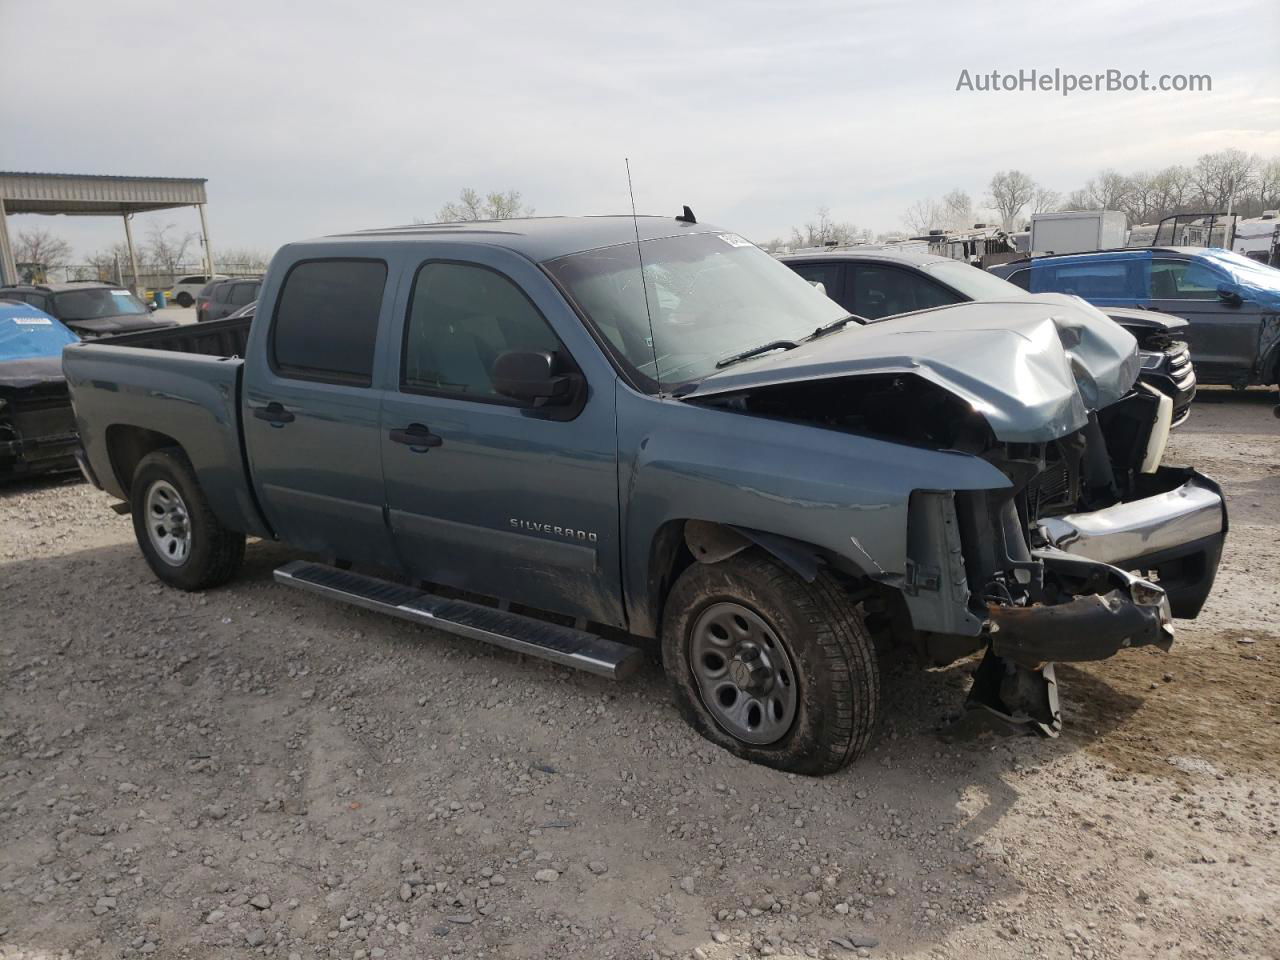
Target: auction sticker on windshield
point(733, 240)
point(33, 321)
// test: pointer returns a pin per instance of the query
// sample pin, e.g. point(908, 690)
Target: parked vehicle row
point(873, 284)
point(573, 436)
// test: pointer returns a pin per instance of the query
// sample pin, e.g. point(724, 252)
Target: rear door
point(238, 295)
point(311, 411)
point(1223, 338)
point(500, 499)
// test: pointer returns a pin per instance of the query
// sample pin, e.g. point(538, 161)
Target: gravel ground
point(255, 772)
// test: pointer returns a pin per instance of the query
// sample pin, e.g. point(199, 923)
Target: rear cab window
point(326, 321)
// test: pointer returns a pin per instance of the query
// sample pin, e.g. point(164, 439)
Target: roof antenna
point(635, 222)
point(687, 216)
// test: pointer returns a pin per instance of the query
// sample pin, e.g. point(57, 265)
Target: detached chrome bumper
point(1177, 529)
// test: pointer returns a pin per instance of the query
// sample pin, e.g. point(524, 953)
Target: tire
point(815, 724)
point(170, 510)
point(185, 299)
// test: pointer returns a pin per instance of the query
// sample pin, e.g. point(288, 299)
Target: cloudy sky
point(310, 118)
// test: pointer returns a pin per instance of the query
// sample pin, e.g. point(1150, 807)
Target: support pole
point(133, 256)
point(208, 251)
point(8, 267)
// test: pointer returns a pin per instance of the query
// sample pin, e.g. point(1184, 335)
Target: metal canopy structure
point(85, 195)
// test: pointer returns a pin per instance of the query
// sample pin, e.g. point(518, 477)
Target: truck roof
point(538, 238)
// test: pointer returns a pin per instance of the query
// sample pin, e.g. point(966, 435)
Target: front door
point(483, 494)
point(311, 413)
point(1223, 338)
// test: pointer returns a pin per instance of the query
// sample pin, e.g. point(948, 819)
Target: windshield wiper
point(756, 351)
point(833, 326)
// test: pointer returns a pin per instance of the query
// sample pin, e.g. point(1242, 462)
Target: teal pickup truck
point(576, 438)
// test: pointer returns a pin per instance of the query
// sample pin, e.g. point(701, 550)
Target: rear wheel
point(183, 542)
point(184, 299)
point(775, 670)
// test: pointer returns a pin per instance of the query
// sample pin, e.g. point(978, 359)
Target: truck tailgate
point(119, 392)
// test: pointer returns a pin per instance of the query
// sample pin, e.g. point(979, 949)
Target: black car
point(90, 309)
point(225, 297)
point(874, 284)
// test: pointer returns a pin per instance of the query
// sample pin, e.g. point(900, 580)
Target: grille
point(1180, 368)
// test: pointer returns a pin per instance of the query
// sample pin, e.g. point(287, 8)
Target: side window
point(242, 293)
point(1183, 280)
point(222, 292)
point(1099, 280)
point(827, 274)
point(880, 291)
point(326, 320)
point(461, 318)
point(1020, 278)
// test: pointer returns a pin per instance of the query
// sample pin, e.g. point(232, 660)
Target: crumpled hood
point(1033, 369)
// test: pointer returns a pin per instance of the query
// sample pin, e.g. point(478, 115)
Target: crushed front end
point(1094, 549)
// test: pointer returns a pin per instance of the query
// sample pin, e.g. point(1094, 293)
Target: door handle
point(417, 437)
point(274, 413)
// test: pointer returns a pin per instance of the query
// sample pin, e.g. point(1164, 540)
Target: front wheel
point(775, 670)
point(185, 545)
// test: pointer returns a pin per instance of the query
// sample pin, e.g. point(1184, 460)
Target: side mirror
point(1229, 295)
point(151, 305)
point(532, 378)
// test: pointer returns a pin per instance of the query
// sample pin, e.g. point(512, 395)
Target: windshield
point(1246, 270)
point(973, 282)
point(96, 302)
point(711, 295)
point(23, 337)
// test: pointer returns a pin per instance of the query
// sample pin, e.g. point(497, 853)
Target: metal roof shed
point(85, 195)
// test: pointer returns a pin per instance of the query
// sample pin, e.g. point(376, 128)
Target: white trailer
point(1078, 231)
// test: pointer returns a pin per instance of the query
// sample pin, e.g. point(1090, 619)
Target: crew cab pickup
point(572, 437)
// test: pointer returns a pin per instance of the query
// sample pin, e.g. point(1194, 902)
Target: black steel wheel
point(774, 669)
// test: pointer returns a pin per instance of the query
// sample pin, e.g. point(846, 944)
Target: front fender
point(844, 494)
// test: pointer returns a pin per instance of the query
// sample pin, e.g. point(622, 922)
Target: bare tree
point(41, 247)
point(1267, 185)
point(957, 210)
point(1223, 178)
point(824, 230)
point(1170, 189)
point(1107, 191)
point(1044, 200)
point(110, 265)
point(492, 206)
point(923, 216)
point(167, 250)
point(242, 260)
point(1011, 190)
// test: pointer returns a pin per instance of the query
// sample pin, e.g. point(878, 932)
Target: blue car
point(1231, 302)
point(37, 426)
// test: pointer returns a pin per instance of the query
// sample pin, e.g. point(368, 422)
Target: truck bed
point(217, 338)
point(177, 387)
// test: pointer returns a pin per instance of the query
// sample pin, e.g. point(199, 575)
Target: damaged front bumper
point(1176, 529)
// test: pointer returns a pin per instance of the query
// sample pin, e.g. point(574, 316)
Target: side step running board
point(512, 631)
